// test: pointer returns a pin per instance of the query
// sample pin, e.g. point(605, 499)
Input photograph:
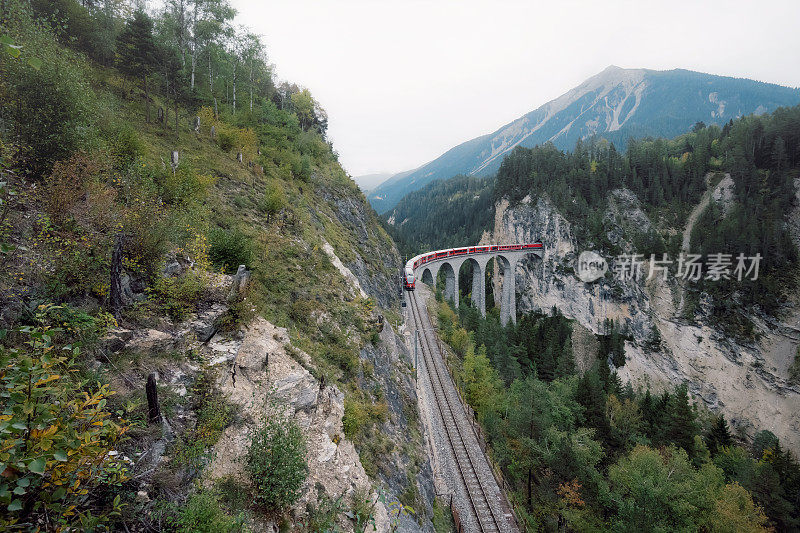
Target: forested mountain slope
point(171, 220)
point(616, 104)
point(464, 203)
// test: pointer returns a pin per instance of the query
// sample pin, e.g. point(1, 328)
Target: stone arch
point(450, 282)
point(427, 277)
point(465, 268)
point(529, 267)
point(477, 280)
point(491, 277)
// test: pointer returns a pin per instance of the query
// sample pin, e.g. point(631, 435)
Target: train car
point(418, 261)
point(408, 279)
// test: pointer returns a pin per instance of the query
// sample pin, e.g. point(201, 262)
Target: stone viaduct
point(450, 265)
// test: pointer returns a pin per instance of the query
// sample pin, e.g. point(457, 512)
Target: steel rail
point(466, 468)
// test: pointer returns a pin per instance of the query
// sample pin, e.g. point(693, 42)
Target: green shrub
point(305, 168)
point(184, 185)
point(126, 147)
point(233, 494)
point(178, 296)
point(359, 415)
point(75, 324)
point(276, 463)
point(229, 248)
point(214, 414)
point(301, 311)
point(442, 518)
point(144, 222)
point(322, 517)
point(76, 253)
point(363, 509)
point(240, 312)
point(353, 419)
point(226, 140)
point(274, 200)
point(344, 357)
point(49, 108)
point(202, 514)
point(54, 437)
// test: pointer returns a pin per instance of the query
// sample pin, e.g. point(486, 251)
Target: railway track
point(479, 492)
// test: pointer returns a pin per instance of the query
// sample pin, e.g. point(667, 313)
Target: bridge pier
point(508, 305)
point(479, 284)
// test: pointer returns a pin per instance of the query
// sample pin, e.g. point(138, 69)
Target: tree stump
point(117, 300)
point(174, 160)
point(239, 284)
point(153, 411)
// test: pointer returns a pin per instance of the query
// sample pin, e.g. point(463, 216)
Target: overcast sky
point(405, 81)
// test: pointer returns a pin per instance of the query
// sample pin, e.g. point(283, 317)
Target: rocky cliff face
point(371, 256)
point(404, 471)
point(259, 373)
point(258, 370)
point(747, 382)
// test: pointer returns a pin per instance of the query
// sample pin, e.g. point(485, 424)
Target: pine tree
point(647, 406)
point(566, 362)
point(604, 373)
point(137, 50)
point(547, 363)
point(591, 396)
point(681, 424)
point(763, 441)
point(505, 361)
point(718, 436)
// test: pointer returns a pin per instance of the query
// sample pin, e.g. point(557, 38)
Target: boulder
point(116, 339)
point(151, 340)
point(300, 390)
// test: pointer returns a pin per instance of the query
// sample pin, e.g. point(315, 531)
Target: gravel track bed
point(443, 457)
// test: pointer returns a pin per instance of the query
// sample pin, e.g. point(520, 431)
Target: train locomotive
point(414, 262)
point(408, 279)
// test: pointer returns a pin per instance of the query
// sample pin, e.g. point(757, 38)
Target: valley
point(657, 337)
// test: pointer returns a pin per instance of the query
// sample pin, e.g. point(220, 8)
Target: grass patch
point(214, 414)
point(442, 517)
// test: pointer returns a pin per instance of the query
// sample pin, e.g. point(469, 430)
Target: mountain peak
point(617, 104)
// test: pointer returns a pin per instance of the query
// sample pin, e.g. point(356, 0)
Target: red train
point(415, 262)
point(408, 279)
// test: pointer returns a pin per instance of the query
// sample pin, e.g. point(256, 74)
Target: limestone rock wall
point(745, 382)
point(258, 374)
